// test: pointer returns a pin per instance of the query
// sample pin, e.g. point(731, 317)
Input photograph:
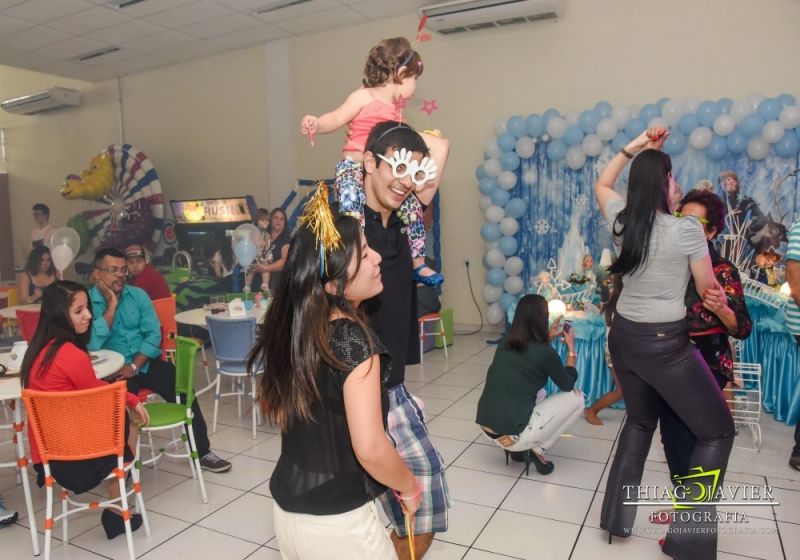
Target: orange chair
point(166, 310)
point(27, 321)
point(79, 425)
point(430, 318)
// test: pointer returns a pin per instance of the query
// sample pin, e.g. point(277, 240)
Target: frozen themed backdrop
point(538, 176)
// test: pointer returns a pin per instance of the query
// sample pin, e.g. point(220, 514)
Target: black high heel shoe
point(529, 457)
point(542, 467)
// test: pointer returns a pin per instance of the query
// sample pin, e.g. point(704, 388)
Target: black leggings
point(656, 364)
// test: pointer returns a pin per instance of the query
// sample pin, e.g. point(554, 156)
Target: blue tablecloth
point(770, 345)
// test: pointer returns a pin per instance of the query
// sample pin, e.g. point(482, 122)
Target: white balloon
point(513, 266)
point(507, 180)
point(494, 214)
point(509, 226)
point(658, 122)
point(740, 109)
point(724, 124)
point(491, 149)
point(672, 111)
point(633, 111)
point(790, 117)
point(493, 245)
point(575, 157)
point(513, 285)
point(607, 129)
point(620, 116)
point(773, 132)
point(492, 167)
point(64, 236)
point(62, 255)
point(494, 314)
point(492, 293)
point(592, 144)
point(556, 127)
point(700, 138)
point(500, 125)
point(485, 202)
point(525, 147)
point(755, 99)
point(571, 118)
point(495, 258)
point(690, 104)
point(757, 148)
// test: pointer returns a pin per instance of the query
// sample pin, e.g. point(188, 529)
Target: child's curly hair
point(387, 58)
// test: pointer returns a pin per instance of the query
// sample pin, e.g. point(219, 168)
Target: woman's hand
point(143, 417)
point(569, 339)
point(652, 138)
point(556, 328)
point(715, 300)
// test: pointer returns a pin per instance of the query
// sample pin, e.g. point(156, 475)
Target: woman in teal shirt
point(507, 411)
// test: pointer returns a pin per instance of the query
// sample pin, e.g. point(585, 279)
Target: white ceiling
point(49, 35)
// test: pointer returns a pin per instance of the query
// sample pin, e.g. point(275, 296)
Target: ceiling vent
point(473, 15)
point(48, 100)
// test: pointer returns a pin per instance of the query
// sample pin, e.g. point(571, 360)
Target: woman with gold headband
point(325, 390)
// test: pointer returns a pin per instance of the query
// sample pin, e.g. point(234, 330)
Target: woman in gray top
point(650, 348)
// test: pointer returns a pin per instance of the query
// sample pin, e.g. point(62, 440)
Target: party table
point(11, 312)
point(197, 317)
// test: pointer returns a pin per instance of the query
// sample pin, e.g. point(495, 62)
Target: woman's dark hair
point(35, 259)
point(55, 325)
point(715, 208)
point(292, 342)
point(648, 193)
point(387, 58)
point(530, 323)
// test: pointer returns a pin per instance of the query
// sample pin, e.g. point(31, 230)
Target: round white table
point(11, 312)
point(105, 363)
point(197, 317)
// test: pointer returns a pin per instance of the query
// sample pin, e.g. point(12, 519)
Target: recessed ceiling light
point(94, 54)
point(278, 5)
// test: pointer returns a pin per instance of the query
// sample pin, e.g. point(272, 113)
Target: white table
point(197, 317)
point(107, 362)
point(11, 312)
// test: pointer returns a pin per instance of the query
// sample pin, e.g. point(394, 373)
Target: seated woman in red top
point(57, 360)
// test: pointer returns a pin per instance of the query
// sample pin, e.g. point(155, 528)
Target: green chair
point(166, 416)
point(230, 296)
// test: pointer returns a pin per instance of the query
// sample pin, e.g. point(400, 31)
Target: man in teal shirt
point(125, 322)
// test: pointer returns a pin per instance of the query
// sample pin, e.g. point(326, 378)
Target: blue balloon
point(603, 109)
point(487, 185)
point(661, 102)
point(556, 150)
point(573, 135)
point(717, 149)
point(515, 208)
point(770, 109)
point(725, 104)
point(500, 197)
point(675, 143)
point(737, 142)
point(491, 232)
point(648, 113)
point(620, 141)
point(751, 125)
point(788, 146)
point(550, 114)
point(535, 125)
point(516, 126)
point(509, 161)
point(635, 127)
point(588, 121)
point(787, 99)
point(496, 277)
point(688, 123)
point(508, 246)
point(480, 172)
point(707, 112)
point(245, 251)
point(506, 142)
point(506, 300)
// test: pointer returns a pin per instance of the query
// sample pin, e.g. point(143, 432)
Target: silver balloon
point(509, 226)
point(513, 266)
point(757, 148)
point(492, 293)
point(724, 124)
point(556, 127)
point(494, 214)
point(513, 285)
point(494, 314)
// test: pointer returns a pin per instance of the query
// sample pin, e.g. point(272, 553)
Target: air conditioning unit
point(47, 100)
point(471, 15)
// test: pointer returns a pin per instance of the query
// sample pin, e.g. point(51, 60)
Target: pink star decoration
point(429, 106)
point(401, 103)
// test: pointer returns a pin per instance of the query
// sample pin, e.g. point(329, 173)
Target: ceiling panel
point(9, 25)
point(86, 21)
point(224, 24)
point(187, 51)
point(128, 31)
point(321, 21)
point(188, 14)
point(71, 48)
point(40, 11)
point(161, 40)
point(34, 38)
point(254, 36)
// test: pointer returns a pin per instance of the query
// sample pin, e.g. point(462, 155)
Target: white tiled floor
point(498, 511)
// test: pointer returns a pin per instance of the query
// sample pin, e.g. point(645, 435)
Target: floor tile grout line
point(777, 525)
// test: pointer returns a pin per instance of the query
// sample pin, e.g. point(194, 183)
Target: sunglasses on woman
point(703, 221)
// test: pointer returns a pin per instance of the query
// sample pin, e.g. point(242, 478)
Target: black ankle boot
point(114, 525)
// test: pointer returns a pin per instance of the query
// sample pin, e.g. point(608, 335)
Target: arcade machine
point(204, 226)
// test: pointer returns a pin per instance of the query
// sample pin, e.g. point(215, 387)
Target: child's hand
point(309, 126)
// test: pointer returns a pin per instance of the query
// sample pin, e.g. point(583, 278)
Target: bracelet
point(572, 355)
point(409, 498)
point(626, 153)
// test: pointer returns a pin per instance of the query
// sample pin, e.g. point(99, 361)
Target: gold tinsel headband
point(317, 217)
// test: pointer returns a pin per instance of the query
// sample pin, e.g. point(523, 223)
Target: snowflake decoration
point(541, 227)
point(582, 201)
